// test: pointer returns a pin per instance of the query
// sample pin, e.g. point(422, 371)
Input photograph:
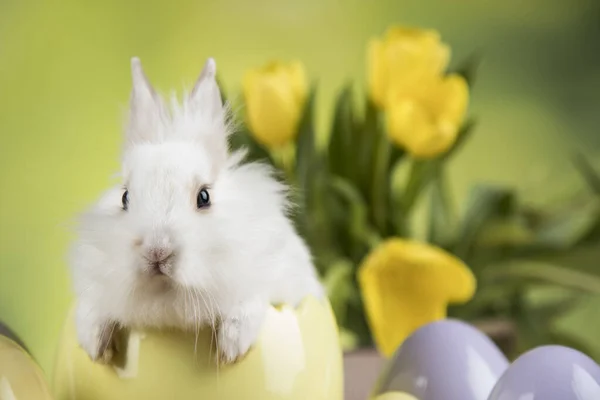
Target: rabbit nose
point(159, 254)
point(159, 260)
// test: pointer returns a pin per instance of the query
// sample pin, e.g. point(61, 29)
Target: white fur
point(230, 261)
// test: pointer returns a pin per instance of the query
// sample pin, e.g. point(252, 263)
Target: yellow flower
point(406, 284)
point(426, 123)
point(404, 57)
point(275, 95)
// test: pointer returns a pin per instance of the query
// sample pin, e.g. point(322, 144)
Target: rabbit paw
point(96, 339)
point(239, 331)
point(99, 343)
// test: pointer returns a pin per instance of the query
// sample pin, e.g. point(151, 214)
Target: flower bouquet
point(357, 208)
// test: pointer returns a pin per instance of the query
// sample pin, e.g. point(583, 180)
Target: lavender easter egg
point(446, 359)
point(550, 373)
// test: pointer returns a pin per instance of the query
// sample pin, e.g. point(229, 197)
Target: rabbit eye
point(125, 200)
point(203, 199)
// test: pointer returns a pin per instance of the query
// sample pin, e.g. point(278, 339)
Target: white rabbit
point(193, 237)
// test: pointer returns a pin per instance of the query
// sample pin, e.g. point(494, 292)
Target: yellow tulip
point(427, 123)
point(275, 95)
point(404, 57)
point(406, 284)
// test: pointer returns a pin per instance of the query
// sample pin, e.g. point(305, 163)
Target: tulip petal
point(398, 32)
point(297, 77)
point(426, 124)
point(406, 284)
point(424, 53)
point(409, 125)
point(454, 100)
point(275, 96)
point(404, 58)
point(408, 58)
point(272, 113)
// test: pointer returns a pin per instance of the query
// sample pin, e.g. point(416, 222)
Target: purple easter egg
point(550, 373)
point(446, 359)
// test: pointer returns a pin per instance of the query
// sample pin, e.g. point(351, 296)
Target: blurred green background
point(64, 83)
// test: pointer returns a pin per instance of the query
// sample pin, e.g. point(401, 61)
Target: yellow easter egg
point(395, 396)
point(20, 376)
point(297, 356)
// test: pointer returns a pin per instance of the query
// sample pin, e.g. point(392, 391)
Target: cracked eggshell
point(446, 359)
point(395, 396)
point(550, 373)
point(20, 376)
point(297, 357)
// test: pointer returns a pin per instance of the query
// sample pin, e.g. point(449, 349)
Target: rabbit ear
point(205, 98)
point(145, 107)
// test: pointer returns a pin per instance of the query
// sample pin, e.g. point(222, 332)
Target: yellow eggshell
point(395, 396)
point(297, 357)
point(20, 376)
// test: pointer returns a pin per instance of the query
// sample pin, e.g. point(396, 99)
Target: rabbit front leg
point(94, 334)
point(239, 330)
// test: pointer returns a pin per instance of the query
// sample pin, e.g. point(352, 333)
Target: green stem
point(284, 158)
point(360, 230)
point(446, 195)
point(441, 212)
point(421, 174)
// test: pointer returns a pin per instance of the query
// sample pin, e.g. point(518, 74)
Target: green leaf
point(396, 220)
point(589, 173)
point(396, 155)
point(491, 299)
point(506, 232)
point(338, 212)
point(358, 223)
point(380, 183)
point(307, 160)
point(342, 148)
point(441, 216)
point(548, 312)
point(381, 158)
point(339, 288)
point(545, 273)
point(484, 204)
point(314, 219)
point(366, 142)
point(539, 324)
point(468, 68)
point(565, 229)
point(421, 174)
point(309, 179)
